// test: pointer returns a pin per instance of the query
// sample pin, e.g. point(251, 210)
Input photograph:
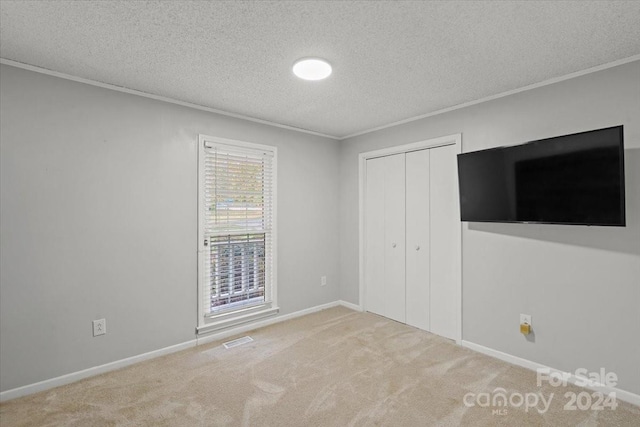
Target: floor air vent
point(236, 343)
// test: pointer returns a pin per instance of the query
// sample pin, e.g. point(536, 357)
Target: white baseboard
point(215, 336)
point(96, 370)
point(627, 396)
point(85, 373)
point(350, 305)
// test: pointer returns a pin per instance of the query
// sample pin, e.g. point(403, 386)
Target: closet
point(412, 239)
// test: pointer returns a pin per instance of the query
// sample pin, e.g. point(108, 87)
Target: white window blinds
point(236, 225)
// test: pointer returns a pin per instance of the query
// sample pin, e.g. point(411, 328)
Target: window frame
point(232, 317)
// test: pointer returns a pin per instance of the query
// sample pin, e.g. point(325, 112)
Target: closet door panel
point(418, 239)
point(374, 237)
point(445, 241)
point(394, 229)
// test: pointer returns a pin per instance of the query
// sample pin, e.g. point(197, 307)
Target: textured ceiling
point(392, 60)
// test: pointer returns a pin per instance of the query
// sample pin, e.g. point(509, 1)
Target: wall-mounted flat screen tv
point(574, 179)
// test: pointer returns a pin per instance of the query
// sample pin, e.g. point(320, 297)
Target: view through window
point(236, 200)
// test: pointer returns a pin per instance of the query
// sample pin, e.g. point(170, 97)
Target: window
point(236, 232)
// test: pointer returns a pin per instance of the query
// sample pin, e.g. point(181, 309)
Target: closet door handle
point(393, 245)
point(417, 247)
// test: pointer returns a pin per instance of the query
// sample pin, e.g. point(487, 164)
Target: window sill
point(235, 318)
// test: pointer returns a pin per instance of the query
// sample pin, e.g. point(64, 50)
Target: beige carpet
point(332, 368)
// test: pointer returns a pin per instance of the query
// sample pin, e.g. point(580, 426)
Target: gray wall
point(580, 284)
point(98, 219)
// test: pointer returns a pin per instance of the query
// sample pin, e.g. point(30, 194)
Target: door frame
point(455, 139)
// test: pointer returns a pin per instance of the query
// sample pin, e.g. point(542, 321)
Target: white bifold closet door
point(412, 239)
point(374, 237)
point(418, 264)
point(385, 236)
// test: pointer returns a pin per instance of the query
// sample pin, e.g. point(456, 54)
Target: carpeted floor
point(336, 367)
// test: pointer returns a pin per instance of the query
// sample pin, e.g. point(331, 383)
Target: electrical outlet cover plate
point(323, 281)
point(525, 318)
point(99, 327)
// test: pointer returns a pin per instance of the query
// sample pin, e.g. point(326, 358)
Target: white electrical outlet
point(525, 318)
point(323, 281)
point(99, 327)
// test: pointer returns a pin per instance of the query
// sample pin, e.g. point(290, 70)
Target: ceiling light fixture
point(312, 68)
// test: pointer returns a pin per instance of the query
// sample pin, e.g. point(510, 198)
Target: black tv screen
point(573, 179)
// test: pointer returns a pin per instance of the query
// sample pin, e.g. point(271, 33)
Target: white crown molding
point(157, 97)
point(339, 138)
point(500, 95)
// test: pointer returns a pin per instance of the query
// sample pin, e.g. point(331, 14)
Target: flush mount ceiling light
point(312, 68)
